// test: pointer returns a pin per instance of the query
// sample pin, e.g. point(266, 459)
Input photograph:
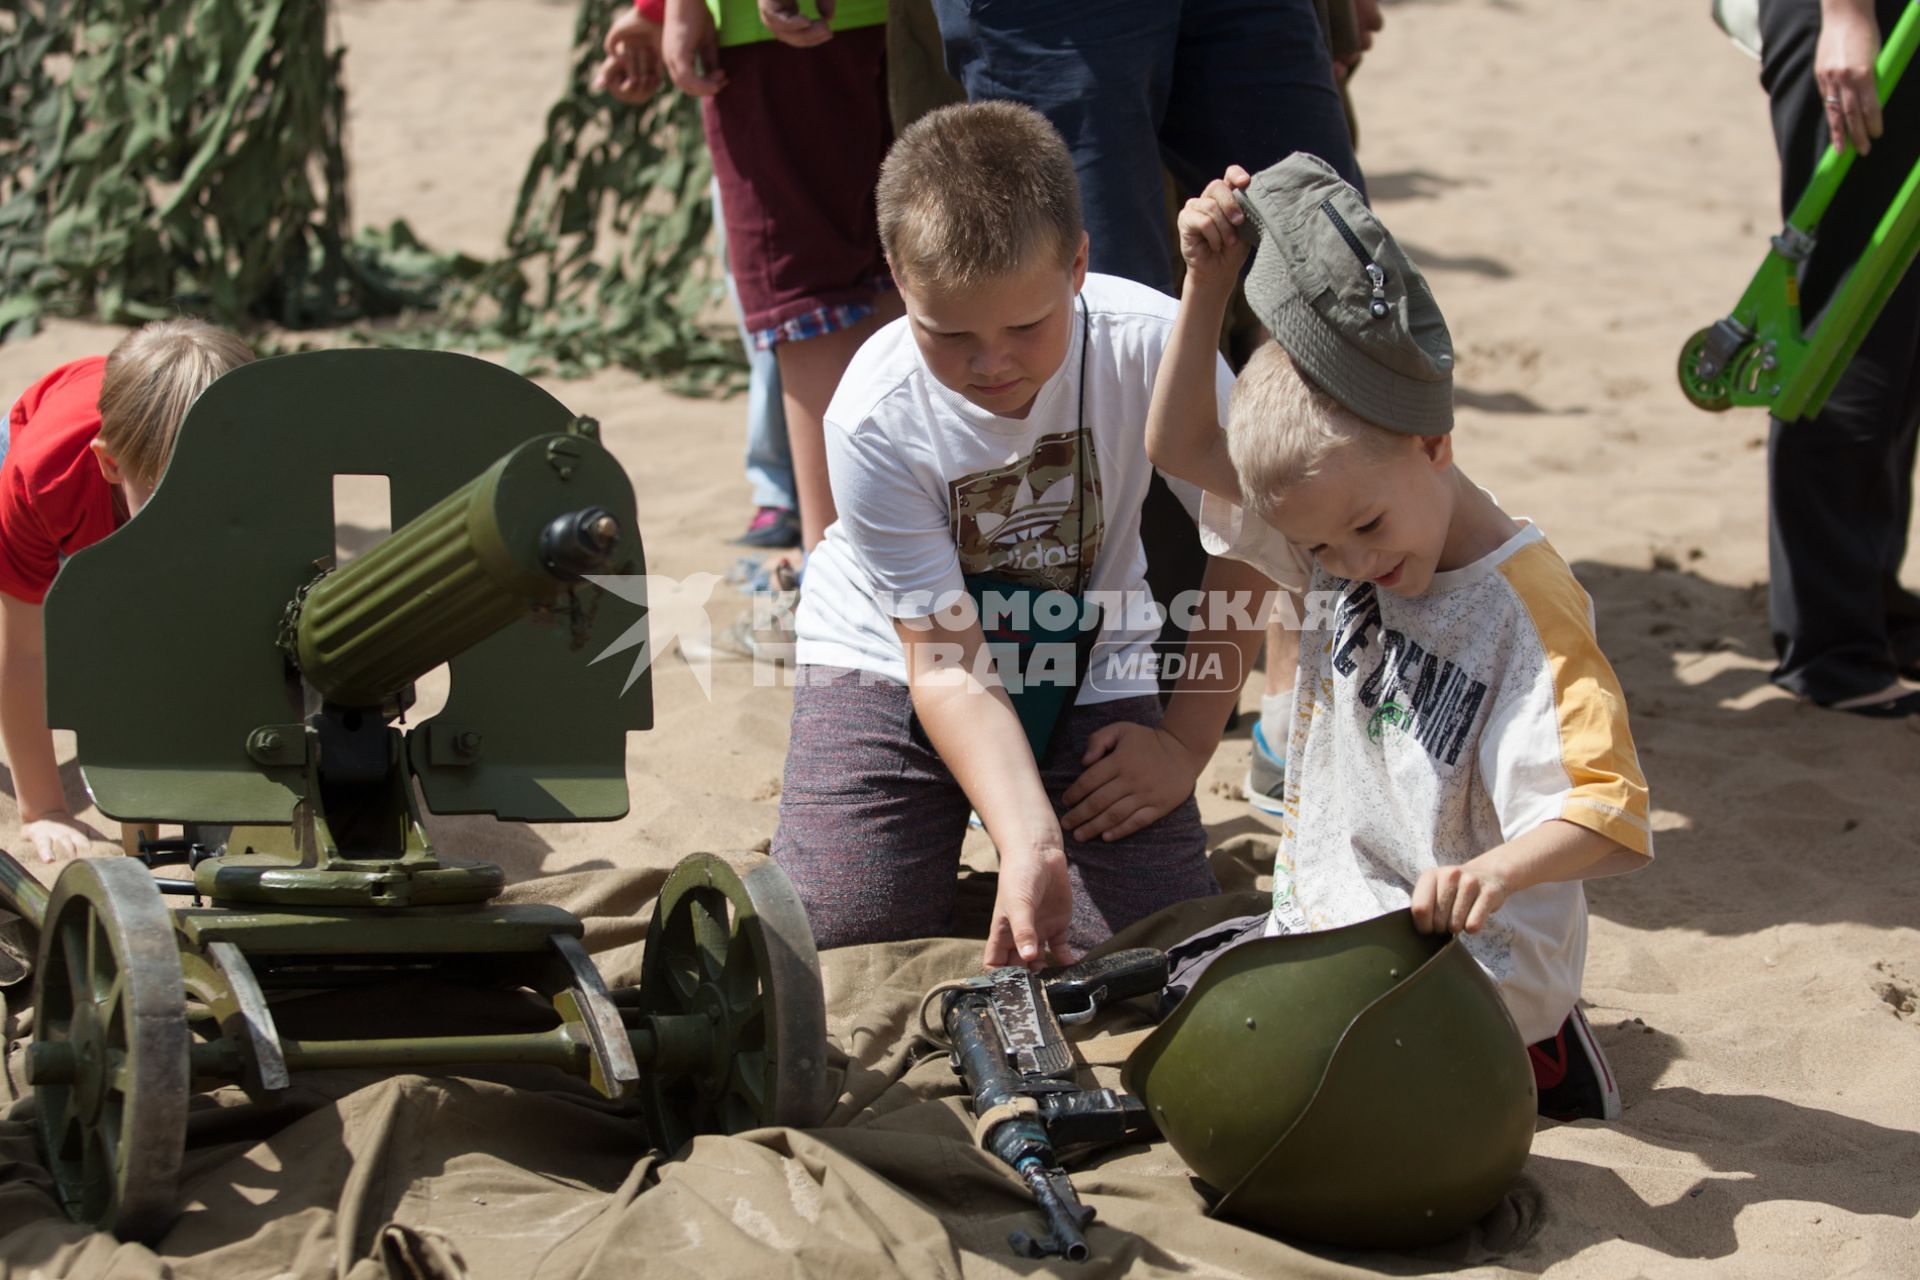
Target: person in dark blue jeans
point(1135, 85)
point(1131, 85)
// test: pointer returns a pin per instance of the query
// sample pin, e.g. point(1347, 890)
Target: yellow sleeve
point(1589, 733)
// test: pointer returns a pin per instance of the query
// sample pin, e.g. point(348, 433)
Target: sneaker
point(767, 634)
point(1898, 707)
point(774, 528)
point(1573, 1077)
point(1266, 783)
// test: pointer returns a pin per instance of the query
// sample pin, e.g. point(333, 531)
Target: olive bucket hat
point(1361, 1086)
point(1343, 299)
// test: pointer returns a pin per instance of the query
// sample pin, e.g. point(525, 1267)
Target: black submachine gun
point(1007, 1041)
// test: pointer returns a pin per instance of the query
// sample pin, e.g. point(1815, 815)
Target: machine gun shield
point(238, 526)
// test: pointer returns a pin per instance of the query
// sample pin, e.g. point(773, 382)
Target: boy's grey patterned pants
point(871, 821)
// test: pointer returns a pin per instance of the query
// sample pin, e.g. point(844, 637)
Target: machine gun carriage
point(217, 670)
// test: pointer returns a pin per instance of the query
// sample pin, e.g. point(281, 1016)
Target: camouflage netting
point(166, 155)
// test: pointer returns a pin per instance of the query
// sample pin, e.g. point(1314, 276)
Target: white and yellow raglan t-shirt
point(1429, 730)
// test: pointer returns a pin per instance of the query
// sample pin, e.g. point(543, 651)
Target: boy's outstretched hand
point(58, 837)
point(1211, 227)
point(1032, 911)
point(1135, 776)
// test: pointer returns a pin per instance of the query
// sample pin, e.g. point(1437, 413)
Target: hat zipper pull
point(1375, 274)
point(1379, 278)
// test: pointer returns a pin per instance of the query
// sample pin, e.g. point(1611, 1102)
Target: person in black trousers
point(1840, 485)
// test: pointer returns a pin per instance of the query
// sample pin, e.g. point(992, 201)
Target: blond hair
point(973, 192)
point(152, 378)
point(1281, 429)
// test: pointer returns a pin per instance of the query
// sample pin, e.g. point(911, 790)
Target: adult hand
point(691, 49)
point(1456, 899)
point(56, 837)
point(633, 67)
point(1032, 910)
point(1367, 19)
point(1843, 68)
point(790, 26)
point(1210, 225)
point(1135, 777)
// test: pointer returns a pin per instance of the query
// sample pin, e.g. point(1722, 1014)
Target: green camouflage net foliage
point(165, 154)
point(160, 156)
point(560, 298)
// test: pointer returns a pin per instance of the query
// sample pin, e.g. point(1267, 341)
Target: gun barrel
point(1063, 1218)
point(985, 1059)
point(509, 541)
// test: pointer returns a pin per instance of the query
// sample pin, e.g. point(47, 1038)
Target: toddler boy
point(1458, 743)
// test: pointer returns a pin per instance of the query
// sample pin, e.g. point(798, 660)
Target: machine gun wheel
point(737, 952)
point(110, 1053)
point(1712, 393)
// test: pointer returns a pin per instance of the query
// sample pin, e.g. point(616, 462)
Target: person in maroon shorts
point(797, 119)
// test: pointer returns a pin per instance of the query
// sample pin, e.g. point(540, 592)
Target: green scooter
point(1761, 354)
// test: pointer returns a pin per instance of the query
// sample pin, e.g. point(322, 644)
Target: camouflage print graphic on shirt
point(1018, 521)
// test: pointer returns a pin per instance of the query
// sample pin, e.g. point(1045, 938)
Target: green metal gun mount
point(1761, 354)
point(218, 670)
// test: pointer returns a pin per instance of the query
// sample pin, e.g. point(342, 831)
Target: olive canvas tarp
point(506, 1174)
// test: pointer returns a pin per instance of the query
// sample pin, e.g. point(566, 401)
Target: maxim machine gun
point(218, 670)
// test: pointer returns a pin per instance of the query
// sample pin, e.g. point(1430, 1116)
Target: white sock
point(1276, 721)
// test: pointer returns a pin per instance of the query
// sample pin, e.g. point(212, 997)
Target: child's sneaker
point(767, 633)
point(1266, 782)
point(1573, 1076)
point(774, 528)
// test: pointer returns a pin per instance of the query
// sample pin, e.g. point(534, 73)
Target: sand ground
point(1584, 185)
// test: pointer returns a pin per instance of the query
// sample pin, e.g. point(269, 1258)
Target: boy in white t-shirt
point(989, 447)
point(1458, 743)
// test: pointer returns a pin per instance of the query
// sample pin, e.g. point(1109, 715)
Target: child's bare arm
point(44, 821)
point(1459, 899)
point(972, 724)
point(1183, 423)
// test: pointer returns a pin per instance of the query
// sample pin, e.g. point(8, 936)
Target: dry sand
point(1584, 184)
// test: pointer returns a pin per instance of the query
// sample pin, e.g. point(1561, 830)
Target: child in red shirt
point(83, 450)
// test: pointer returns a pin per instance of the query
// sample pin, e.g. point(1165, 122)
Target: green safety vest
point(738, 21)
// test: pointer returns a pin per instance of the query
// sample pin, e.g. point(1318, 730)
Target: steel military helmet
point(1362, 1086)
